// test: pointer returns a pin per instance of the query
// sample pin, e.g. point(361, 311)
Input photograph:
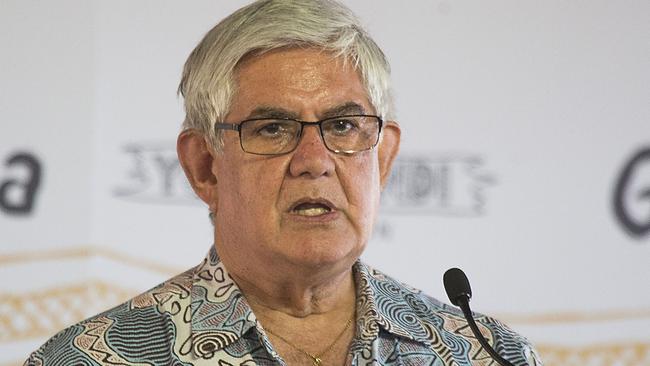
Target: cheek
point(362, 186)
point(250, 189)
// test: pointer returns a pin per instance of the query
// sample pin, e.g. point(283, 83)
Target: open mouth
point(311, 208)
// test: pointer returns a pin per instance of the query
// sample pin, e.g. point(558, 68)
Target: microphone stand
point(463, 303)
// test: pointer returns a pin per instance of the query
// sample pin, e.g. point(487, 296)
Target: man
point(289, 139)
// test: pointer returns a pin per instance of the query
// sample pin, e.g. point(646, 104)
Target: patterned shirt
point(201, 317)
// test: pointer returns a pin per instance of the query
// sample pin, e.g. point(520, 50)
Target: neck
point(295, 290)
point(299, 297)
point(306, 309)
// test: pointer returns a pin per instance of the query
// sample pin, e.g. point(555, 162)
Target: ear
point(197, 158)
point(388, 148)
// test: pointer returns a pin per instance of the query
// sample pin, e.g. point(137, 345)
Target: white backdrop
point(519, 119)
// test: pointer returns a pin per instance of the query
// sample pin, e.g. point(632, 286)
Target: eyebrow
point(349, 108)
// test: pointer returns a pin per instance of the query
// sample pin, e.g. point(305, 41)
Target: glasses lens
point(269, 136)
point(351, 133)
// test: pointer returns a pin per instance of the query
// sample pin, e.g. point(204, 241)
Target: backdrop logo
point(154, 176)
point(445, 185)
point(438, 185)
point(632, 195)
point(18, 188)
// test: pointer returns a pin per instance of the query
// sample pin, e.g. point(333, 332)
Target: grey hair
point(207, 84)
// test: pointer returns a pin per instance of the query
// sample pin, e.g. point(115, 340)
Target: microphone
point(459, 293)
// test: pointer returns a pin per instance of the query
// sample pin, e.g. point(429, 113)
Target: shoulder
point(145, 322)
point(434, 322)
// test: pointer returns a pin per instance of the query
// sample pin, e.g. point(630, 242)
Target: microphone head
point(457, 286)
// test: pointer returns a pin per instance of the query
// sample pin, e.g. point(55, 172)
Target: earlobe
point(388, 149)
point(197, 158)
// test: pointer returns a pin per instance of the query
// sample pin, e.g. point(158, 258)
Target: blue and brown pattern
point(200, 317)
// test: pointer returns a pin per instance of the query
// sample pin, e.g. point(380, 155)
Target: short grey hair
point(207, 84)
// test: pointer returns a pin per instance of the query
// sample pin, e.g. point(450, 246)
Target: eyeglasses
point(276, 136)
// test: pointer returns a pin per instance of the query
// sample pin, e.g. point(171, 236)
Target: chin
point(318, 253)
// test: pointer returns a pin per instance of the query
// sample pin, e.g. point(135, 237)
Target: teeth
point(312, 211)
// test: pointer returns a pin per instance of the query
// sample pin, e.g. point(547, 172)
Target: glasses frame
point(237, 127)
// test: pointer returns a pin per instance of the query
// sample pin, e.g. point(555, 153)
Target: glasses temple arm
point(226, 126)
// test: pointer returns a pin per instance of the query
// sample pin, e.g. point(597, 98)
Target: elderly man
point(289, 140)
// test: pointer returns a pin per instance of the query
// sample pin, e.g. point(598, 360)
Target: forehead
point(297, 79)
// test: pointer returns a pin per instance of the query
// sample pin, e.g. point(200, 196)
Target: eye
point(343, 126)
point(272, 129)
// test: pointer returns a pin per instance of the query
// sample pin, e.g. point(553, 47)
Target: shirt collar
point(220, 314)
point(389, 304)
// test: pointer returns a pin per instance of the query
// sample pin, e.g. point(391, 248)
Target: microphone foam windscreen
point(456, 285)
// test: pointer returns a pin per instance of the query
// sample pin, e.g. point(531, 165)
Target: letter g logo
point(632, 195)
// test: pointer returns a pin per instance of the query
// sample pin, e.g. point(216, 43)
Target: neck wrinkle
point(299, 300)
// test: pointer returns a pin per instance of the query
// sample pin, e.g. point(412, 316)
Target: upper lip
point(321, 201)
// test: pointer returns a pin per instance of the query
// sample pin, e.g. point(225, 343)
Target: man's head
point(309, 207)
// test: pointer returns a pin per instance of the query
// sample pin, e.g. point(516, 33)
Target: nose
point(311, 157)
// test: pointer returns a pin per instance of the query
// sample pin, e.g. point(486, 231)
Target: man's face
point(310, 207)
